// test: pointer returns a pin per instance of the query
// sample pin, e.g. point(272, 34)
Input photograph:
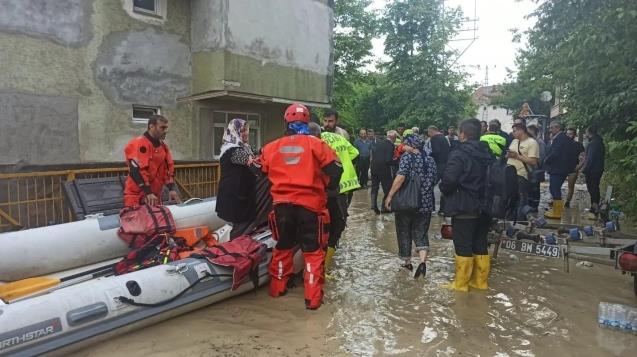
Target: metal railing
point(36, 199)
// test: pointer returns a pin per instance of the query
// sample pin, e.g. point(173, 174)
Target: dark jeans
point(555, 185)
point(470, 235)
point(377, 180)
point(534, 195)
point(592, 185)
point(296, 225)
point(412, 226)
point(523, 198)
point(337, 206)
point(362, 170)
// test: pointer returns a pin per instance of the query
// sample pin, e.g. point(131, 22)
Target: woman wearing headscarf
point(413, 225)
point(236, 196)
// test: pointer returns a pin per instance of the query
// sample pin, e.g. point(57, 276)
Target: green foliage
point(417, 85)
point(422, 87)
point(355, 26)
point(622, 164)
point(587, 48)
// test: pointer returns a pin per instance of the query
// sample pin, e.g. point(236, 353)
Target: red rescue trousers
point(294, 225)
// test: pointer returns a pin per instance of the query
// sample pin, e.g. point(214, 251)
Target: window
point(146, 7)
point(220, 122)
point(141, 113)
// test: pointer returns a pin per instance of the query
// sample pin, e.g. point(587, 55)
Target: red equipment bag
point(158, 250)
point(243, 254)
point(142, 223)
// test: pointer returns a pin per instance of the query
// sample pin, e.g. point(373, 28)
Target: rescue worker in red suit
point(150, 166)
point(303, 170)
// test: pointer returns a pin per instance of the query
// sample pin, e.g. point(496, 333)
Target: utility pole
point(472, 29)
point(487, 89)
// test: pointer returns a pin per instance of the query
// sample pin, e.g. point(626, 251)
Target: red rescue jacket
point(293, 165)
point(156, 166)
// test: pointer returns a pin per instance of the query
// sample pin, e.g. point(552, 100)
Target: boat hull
point(75, 316)
point(44, 250)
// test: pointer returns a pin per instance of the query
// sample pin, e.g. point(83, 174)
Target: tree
point(355, 26)
point(421, 86)
point(588, 48)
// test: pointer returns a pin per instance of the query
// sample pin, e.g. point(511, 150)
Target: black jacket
point(382, 155)
point(559, 156)
point(440, 150)
point(236, 195)
point(595, 154)
point(463, 181)
point(506, 137)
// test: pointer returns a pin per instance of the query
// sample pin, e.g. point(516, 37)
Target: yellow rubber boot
point(328, 256)
point(464, 267)
point(328, 260)
point(480, 274)
point(556, 211)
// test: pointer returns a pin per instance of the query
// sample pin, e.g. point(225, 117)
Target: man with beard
point(150, 165)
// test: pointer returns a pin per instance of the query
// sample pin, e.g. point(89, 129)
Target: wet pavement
point(374, 308)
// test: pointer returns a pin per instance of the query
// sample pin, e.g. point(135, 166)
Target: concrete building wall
point(488, 112)
point(74, 68)
point(279, 48)
point(270, 116)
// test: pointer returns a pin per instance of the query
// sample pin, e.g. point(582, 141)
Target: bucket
point(550, 239)
point(540, 222)
point(510, 231)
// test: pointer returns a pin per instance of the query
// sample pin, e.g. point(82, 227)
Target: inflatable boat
point(72, 317)
point(64, 246)
point(87, 305)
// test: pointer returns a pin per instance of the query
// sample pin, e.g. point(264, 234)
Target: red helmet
point(297, 112)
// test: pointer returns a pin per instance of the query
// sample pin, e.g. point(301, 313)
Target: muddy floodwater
point(374, 308)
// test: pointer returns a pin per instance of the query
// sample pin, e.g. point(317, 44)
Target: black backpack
point(501, 190)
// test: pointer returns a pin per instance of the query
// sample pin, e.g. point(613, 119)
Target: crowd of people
point(308, 176)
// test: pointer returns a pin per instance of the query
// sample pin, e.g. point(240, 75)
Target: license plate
point(551, 251)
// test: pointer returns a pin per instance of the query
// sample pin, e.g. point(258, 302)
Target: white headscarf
point(232, 136)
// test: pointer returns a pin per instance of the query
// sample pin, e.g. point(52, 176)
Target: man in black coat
point(594, 166)
point(499, 131)
point(558, 163)
point(382, 155)
point(463, 185)
point(440, 149)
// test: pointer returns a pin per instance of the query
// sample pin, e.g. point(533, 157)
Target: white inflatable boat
point(81, 311)
point(74, 316)
point(40, 251)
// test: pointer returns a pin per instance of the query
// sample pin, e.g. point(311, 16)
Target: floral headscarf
point(232, 136)
point(414, 141)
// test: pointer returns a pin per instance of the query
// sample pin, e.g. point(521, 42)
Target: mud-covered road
point(373, 308)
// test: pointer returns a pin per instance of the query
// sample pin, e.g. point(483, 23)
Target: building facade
point(80, 77)
point(486, 111)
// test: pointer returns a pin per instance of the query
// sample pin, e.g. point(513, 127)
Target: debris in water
point(428, 335)
point(584, 264)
